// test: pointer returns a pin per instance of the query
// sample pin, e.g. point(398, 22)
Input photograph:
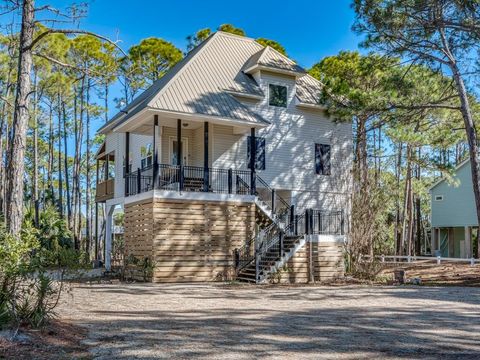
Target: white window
point(146, 153)
point(438, 197)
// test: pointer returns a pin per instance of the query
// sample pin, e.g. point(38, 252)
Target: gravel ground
point(151, 321)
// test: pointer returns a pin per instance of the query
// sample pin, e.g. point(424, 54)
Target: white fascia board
point(256, 68)
point(210, 118)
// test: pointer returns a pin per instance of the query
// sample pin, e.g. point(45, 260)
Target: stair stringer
point(268, 212)
point(286, 257)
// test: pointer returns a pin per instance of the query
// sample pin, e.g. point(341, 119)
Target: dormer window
point(277, 95)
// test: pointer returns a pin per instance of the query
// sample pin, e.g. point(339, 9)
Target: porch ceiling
point(143, 123)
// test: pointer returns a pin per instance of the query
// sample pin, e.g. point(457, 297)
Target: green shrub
point(28, 295)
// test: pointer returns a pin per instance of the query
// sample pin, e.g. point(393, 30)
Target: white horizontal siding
point(228, 148)
point(290, 149)
point(290, 143)
point(169, 132)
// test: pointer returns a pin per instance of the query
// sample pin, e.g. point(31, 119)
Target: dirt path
point(150, 321)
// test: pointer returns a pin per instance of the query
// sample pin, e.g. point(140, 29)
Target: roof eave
point(245, 95)
point(210, 117)
point(310, 106)
point(252, 69)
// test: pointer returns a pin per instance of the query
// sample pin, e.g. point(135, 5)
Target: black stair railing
point(278, 206)
point(271, 246)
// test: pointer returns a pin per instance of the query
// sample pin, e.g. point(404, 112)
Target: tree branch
point(6, 101)
point(71, 31)
point(69, 66)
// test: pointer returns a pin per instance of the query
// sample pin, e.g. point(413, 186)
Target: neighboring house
point(197, 202)
point(454, 215)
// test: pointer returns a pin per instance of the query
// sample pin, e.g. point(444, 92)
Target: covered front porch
point(191, 155)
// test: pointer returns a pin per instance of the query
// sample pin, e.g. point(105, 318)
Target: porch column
point(127, 162)
point(155, 150)
point(253, 155)
point(179, 142)
point(108, 237)
point(179, 155)
point(468, 242)
point(206, 175)
point(96, 229)
point(107, 166)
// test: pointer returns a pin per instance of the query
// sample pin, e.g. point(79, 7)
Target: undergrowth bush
point(32, 269)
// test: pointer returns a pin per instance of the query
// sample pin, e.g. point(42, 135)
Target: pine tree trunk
point(36, 203)
point(397, 233)
point(67, 180)
point(50, 152)
point(60, 175)
point(406, 206)
point(16, 153)
point(3, 125)
point(88, 185)
point(361, 152)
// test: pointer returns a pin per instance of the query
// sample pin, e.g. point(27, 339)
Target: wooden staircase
point(269, 261)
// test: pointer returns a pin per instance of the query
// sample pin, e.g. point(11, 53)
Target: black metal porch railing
point(327, 222)
point(190, 179)
point(139, 181)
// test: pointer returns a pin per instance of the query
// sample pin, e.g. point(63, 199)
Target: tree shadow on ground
point(287, 322)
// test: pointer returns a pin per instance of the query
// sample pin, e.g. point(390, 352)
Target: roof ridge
point(282, 55)
point(263, 51)
point(229, 34)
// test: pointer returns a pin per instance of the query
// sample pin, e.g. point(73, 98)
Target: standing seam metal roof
point(203, 82)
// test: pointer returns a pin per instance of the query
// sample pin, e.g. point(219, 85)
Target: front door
point(173, 151)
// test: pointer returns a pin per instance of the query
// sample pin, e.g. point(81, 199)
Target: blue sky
point(309, 30)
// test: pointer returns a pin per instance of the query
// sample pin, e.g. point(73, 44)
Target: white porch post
point(468, 242)
point(108, 237)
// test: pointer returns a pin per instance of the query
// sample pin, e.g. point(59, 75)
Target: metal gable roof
point(203, 86)
point(203, 82)
point(308, 90)
point(271, 58)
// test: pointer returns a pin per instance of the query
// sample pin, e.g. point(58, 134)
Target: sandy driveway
point(216, 322)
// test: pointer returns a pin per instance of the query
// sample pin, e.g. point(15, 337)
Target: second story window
point(322, 159)
point(260, 153)
point(277, 95)
point(146, 152)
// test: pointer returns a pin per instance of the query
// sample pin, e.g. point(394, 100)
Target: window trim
point(268, 95)
point(438, 197)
